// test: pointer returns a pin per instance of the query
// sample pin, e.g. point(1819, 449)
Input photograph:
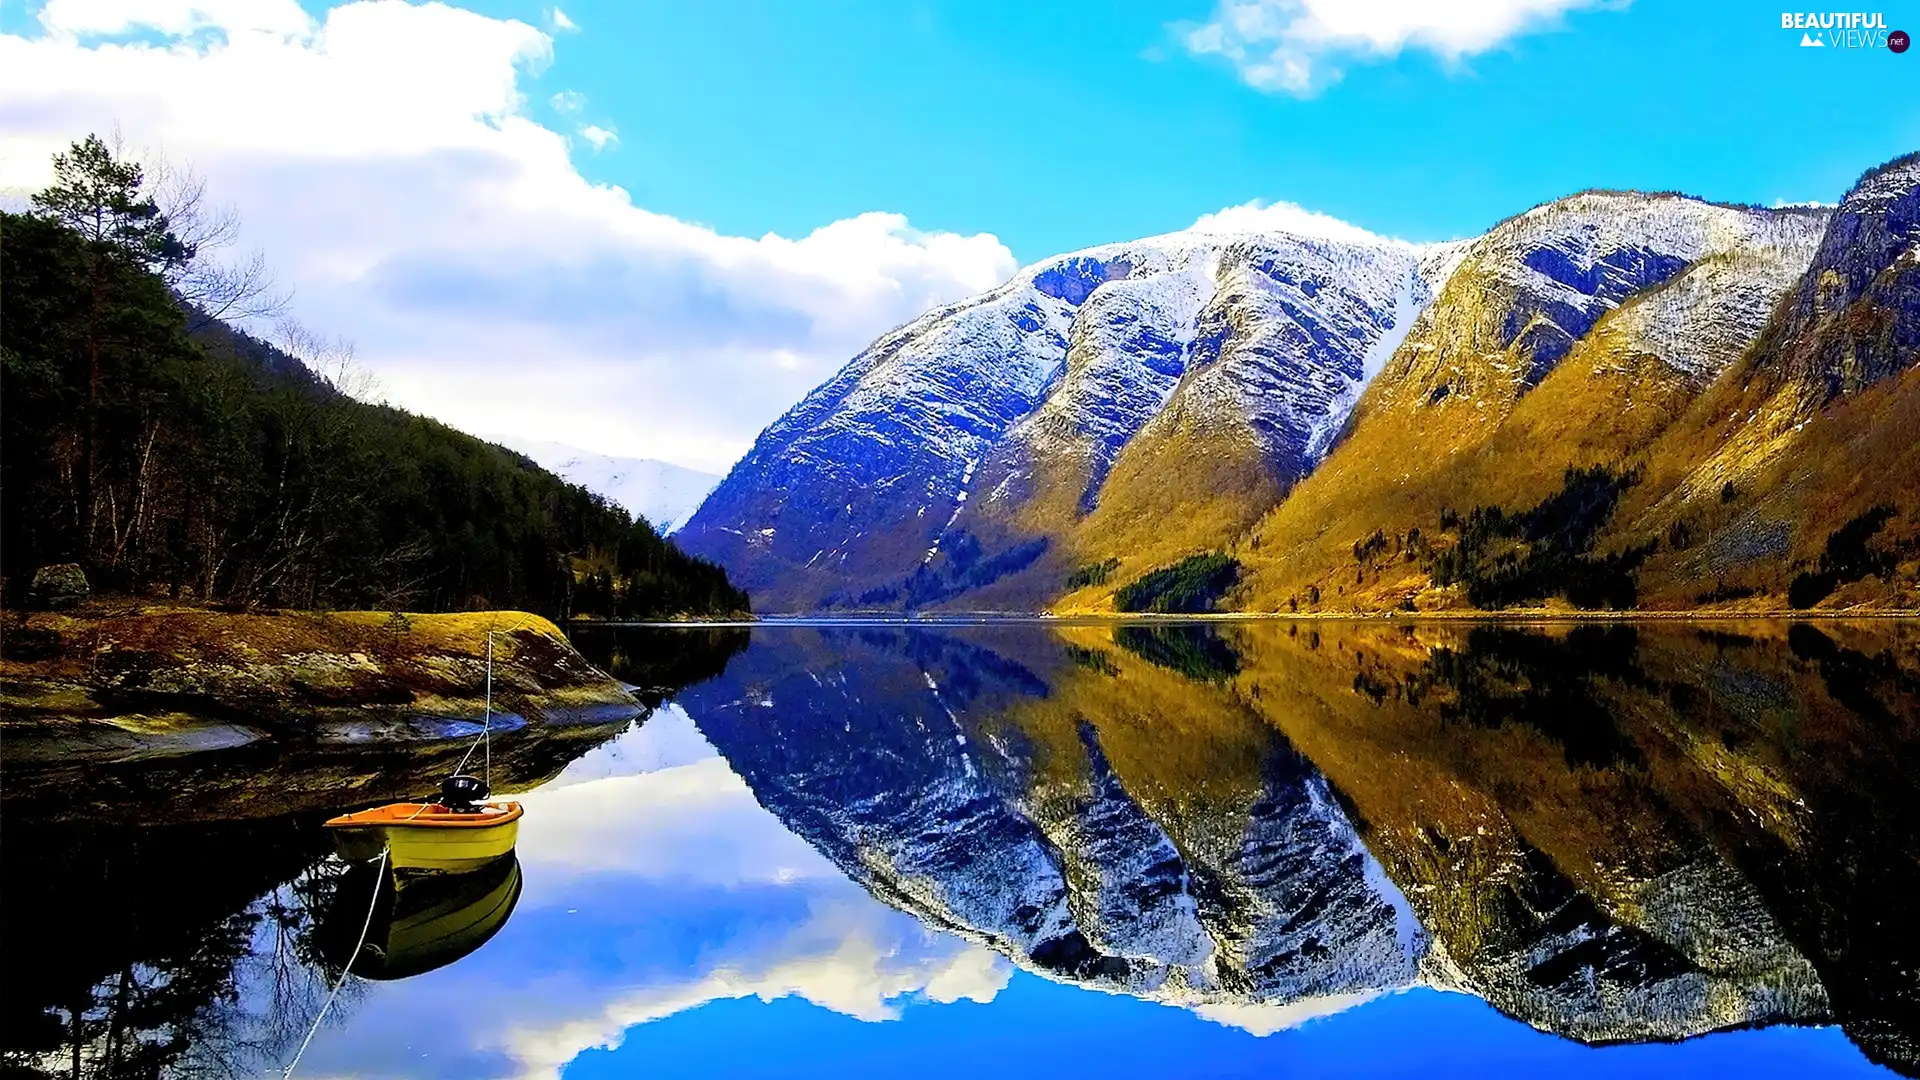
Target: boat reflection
point(420, 921)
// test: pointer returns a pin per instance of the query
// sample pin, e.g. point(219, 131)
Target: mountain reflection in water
point(1612, 834)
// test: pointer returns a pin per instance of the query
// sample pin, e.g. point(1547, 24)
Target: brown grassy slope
point(1408, 457)
point(1179, 488)
point(1818, 424)
point(1176, 490)
point(1797, 475)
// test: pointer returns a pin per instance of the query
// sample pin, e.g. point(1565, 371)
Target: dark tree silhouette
point(207, 464)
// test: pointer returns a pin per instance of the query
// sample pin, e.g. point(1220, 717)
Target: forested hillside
point(171, 454)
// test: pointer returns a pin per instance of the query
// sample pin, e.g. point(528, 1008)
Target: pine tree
point(99, 197)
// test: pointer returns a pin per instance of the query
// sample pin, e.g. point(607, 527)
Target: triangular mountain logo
point(1808, 41)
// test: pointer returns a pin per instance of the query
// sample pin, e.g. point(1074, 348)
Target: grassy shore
point(120, 678)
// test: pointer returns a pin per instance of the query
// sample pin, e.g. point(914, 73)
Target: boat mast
point(486, 720)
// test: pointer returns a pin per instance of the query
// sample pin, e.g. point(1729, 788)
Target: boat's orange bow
point(427, 816)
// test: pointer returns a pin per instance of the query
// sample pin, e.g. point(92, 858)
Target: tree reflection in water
point(142, 944)
point(206, 947)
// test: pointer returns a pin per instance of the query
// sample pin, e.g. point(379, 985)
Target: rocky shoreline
point(380, 696)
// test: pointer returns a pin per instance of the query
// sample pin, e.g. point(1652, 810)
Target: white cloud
point(383, 156)
point(562, 24)
point(849, 957)
point(1300, 46)
point(701, 824)
point(1258, 216)
point(600, 137)
point(568, 101)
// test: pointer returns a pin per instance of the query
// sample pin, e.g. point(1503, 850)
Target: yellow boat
point(461, 832)
point(428, 836)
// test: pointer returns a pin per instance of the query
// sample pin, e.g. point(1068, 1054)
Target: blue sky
point(1054, 130)
point(648, 229)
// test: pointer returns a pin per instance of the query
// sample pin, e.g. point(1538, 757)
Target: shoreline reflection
point(877, 847)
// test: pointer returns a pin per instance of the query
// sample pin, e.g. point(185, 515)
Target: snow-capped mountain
point(1261, 342)
point(1524, 293)
point(1107, 413)
point(663, 493)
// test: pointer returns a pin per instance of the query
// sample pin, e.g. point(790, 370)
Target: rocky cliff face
point(1854, 318)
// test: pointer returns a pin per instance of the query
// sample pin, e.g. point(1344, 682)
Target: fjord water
point(1162, 849)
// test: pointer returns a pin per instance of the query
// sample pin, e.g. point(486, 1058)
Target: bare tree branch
point(212, 285)
point(332, 359)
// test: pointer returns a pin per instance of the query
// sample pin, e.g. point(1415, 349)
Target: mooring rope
point(486, 719)
point(486, 739)
point(379, 879)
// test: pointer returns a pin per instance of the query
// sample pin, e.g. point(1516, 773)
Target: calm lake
point(1273, 849)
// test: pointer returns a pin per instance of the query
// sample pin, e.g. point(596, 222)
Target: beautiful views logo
point(1843, 30)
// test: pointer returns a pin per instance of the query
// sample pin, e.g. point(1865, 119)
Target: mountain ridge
point(1282, 402)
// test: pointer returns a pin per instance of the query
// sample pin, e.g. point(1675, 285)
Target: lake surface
point(1300, 849)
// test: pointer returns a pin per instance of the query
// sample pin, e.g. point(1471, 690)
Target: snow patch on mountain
point(1571, 261)
point(1283, 348)
point(1894, 181)
point(1407, 303)
point(1699, 322)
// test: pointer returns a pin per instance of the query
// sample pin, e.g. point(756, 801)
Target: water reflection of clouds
point(655, 883)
